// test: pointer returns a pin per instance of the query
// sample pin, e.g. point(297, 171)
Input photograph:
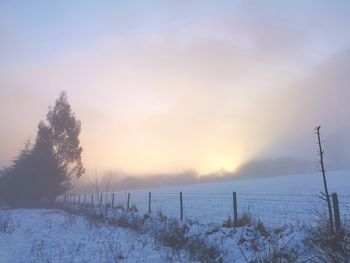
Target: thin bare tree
point(325, 195)
point(101, 185)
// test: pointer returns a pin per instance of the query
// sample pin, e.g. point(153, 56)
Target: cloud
point(197, 86)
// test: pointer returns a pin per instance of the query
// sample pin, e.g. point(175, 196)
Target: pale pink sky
point(174, 85)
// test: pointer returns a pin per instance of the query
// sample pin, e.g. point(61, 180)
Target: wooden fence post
point(336, 212)
point(101, 200)
point(79, 200)
point(112, 200)
point(92, 199)
point(84, 199)
point(128, 205)
point(235, 213)
point(149, 202)
point(181, 207)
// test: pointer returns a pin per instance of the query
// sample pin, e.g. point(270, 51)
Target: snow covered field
point(274, 200)
point(40, 235)
point(43, 235)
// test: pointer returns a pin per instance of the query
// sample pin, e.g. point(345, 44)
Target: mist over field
point(175, 131)
point(201, 87)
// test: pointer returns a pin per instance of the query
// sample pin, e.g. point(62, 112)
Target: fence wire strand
point(271, 208)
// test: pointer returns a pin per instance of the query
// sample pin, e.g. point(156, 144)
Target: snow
point(41, 235)
point(275, 200)
point(286, 205)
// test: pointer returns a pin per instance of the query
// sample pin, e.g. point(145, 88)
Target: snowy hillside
point(40, 235)
point(274, 200)
point(275, 217)
point(114, 235)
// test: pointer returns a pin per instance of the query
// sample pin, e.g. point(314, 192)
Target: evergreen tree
point(42, 172)
point(65, 130)
point(18, 184)
point(51, 178)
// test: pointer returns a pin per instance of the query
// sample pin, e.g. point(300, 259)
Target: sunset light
point(156, 131)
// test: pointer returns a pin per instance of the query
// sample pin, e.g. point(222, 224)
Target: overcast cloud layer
point(174, 85)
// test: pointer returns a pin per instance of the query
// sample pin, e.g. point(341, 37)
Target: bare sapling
point(100, 184)
point(325, 196)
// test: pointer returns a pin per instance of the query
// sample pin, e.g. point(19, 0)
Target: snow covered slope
point(35, 235)
point(275, 200)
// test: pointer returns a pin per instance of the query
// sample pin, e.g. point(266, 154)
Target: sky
point(163, 86)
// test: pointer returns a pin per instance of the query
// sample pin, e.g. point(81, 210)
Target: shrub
point(228, 223)
point(244, 220)
point(277, 254)
point(200, 250)
point(173, 234)
point(6, 224)
point(262, 229)
point(133, 208)
point(327, 247)
point(162, 217)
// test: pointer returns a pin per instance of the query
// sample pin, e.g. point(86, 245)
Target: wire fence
point(271, 209)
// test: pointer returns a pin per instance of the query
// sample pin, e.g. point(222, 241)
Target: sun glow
point(204, 90)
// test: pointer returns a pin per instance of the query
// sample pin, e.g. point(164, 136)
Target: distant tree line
point(43, 170)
